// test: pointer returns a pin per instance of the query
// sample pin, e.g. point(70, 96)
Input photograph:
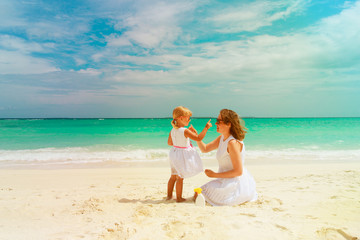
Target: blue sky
point(92, 58)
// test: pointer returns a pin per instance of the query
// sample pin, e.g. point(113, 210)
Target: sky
point(119, 58)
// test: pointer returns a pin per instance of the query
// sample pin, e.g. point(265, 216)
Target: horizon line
point(248, 117)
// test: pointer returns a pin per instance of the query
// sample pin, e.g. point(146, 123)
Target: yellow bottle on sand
point(200, 200)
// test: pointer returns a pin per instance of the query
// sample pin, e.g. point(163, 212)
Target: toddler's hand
point(208, 124)
point(209, 173)
point(191, 128)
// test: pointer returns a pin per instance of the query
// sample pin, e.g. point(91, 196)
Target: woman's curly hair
point(237, 130)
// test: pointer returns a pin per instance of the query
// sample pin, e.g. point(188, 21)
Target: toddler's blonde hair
point(178, 112)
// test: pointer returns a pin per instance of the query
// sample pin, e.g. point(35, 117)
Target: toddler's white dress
point(184, 159)
point(229, 191)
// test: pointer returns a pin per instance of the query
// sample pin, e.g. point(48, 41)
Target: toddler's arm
point(191, 128)
point(192, 134)
point(170, 142)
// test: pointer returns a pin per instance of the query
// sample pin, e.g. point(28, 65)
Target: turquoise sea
point(25, 142)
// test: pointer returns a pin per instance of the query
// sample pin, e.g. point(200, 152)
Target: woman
point(233, 184)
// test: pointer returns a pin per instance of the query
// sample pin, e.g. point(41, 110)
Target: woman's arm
point(192, 134)
point(235, 149)
point(170, 142)
point(210, 146)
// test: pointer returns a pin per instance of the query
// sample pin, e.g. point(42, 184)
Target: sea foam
point(79, 155)
point(82, 155)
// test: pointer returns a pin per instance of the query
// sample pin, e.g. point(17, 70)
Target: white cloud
point(342, 31)
point(13, 43)
point(172, 61)
point(58, 29)
point(90, 71)
point(150, 54)
point(279, 64)
point(78, 97)
point(15, 56)
point(252, 16)
point(98, 56)
point(17, 63)
point(79, 61)
point(141, 77)
point(116, 41)
point(10, 14)
point(154, 24)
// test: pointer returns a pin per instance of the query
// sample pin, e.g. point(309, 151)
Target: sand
point(296, 201)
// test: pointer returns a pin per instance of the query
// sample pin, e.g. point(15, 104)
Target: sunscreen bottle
point(200, 200)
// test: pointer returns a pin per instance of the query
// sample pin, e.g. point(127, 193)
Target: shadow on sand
point(155, 201)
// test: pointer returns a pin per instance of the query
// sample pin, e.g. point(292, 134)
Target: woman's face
point(221, 127)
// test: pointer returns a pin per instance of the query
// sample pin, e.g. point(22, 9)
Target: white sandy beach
point(296, 201)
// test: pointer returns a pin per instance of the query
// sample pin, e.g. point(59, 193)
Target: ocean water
point(40, 142)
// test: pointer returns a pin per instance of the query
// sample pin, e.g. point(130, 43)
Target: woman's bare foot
point(180, 200)
point(168, 197)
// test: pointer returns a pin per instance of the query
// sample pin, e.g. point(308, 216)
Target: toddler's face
point(186, 119)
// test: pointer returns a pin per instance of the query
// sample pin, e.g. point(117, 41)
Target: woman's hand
point(236, 160)
point(210, 173)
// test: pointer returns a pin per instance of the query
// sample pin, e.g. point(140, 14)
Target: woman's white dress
point(229, 191)
point(185, 161)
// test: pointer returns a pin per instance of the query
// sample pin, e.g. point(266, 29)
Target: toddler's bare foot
point(168, 197)
point(195, 196)
point(180, 200)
